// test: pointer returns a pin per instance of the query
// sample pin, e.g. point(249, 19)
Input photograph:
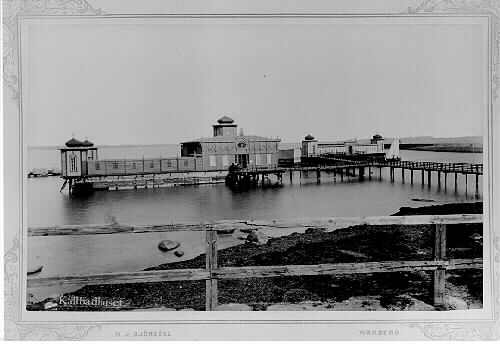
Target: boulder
point(179, 253)
point(314, 230)
point(248, 229)
point(167, 245)
point(258, 237)
point(49, 305)
point(457, 303)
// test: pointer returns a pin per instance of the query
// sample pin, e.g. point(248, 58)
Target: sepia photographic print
point(251, 170)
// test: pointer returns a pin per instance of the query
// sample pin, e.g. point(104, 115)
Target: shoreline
point(446, 147)
point(378, 291)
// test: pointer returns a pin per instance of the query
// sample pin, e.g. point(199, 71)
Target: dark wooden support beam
point(361, 173)
point(211, 265)
point(439, 276)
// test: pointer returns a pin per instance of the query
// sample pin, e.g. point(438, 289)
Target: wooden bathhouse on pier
point(203, 157)
point(227, 147)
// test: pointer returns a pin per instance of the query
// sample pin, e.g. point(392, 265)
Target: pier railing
point(439, 264)
point(342, 161)
point(437, 166)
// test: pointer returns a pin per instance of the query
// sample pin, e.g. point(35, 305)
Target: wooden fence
point(439, 264)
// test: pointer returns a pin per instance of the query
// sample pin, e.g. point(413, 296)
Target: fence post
point(211, 264)
point(439, 275)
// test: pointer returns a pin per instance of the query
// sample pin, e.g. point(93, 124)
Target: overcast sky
point(167, 83)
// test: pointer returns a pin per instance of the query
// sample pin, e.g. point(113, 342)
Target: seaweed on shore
point(352, 244)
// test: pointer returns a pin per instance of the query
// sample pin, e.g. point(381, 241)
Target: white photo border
point(17, 328)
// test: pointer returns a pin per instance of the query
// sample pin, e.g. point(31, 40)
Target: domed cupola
point(309, 146)
point(225, 127)
point(225, 120)
point(73, 143)
point(87, 143)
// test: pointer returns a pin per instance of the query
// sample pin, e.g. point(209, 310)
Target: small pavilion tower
point(74, 157)
point(309, 146)
point(378, 140)
point(225, 127)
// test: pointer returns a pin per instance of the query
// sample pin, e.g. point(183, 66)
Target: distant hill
point(441, 144)
point(437, 140)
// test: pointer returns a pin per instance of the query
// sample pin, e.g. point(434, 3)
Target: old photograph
point(238, 163)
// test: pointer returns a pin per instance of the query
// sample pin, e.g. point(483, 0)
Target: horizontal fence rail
point(87, 229)
point(212, 273)
point(173, 275)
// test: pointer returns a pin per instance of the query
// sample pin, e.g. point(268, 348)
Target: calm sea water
point(131, 252)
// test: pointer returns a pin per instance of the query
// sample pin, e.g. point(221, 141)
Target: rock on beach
point(258, 237)
point(168, 245)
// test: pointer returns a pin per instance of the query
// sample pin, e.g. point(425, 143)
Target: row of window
point(264, 159)
point(116, 164)
point(261, 159)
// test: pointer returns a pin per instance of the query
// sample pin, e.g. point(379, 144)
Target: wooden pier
point(250, 177)
point(345, 167)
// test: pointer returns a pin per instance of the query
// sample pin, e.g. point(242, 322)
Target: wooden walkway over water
point(343, 166)
point(340, 166)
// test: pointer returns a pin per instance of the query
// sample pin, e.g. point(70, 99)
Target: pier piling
point(429, 178)
point(361, 173)
point(411, 176)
